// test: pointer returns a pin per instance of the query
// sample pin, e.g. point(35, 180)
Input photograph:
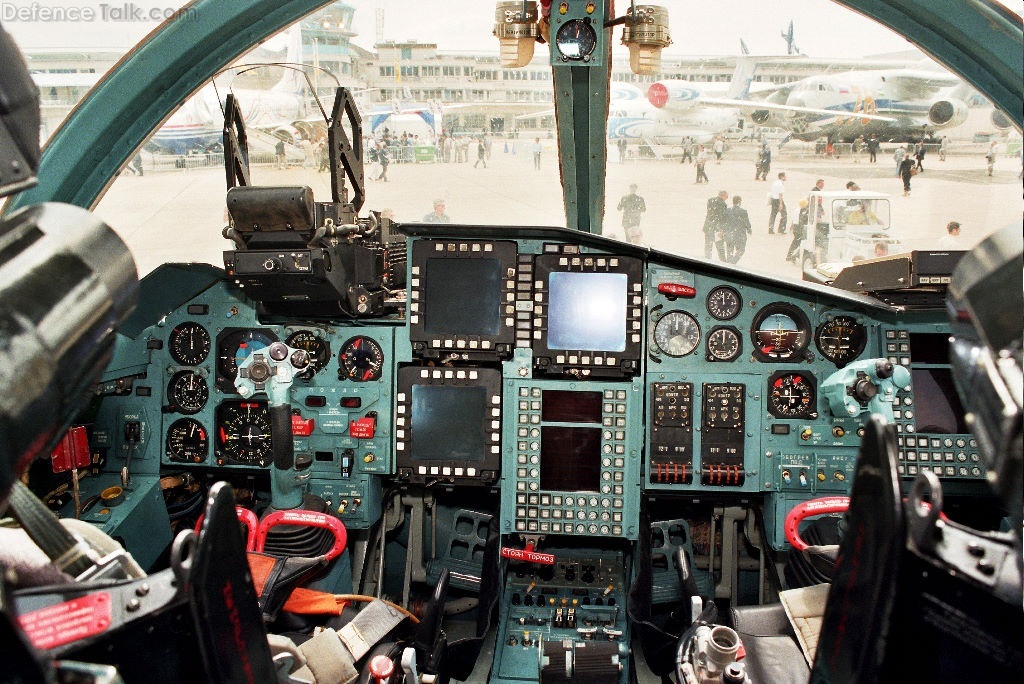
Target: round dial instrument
point(233, 348)
point(189, 343)
point(677, 333)
point(361, 359)
point(792, 395)
point(780, 332)
point(724, 303)
point(187, 441)
point(724, 344)
point(841, 339)
point(318, 348)
point(576, 40)
point(243, 433)
point(187, 392)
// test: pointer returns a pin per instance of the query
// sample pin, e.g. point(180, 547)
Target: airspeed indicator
point(677, 333)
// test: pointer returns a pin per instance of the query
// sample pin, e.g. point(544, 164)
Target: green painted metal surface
point(581, 106)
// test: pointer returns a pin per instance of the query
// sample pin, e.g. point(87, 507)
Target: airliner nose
point(657, 94)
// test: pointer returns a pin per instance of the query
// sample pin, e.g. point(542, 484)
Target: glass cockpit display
point(587, 311)
point(462, 294)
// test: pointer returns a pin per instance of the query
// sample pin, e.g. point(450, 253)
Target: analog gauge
point(841, 339)
point(677, 333)
point(189, 343)
point(724, 303)
point(318, 348)
point(360, 359)
point(792, 395)
point(243, 433)
point(780, 332)
point(724, 344)
point(234, 347)
point(576, 40)
point(187, 392)
point(187, 441)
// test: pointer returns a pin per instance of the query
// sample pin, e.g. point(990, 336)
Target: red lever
point(807, 509)
point(246, 517)
point(72, 451)
point(306, 519)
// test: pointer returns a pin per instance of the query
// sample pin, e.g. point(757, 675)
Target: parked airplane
point(632, 116)
point(284, 110)
point(894, 104)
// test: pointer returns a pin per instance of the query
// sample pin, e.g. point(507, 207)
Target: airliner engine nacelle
point(670, 95)
point(999, 120)
point(760, 116)
point(949, 112)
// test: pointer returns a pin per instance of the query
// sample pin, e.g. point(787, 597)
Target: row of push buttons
point(538, 511)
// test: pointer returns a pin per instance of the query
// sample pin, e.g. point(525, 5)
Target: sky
point(698, 27)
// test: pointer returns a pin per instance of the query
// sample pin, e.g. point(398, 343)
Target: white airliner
point(894, 104)
point(693, 112)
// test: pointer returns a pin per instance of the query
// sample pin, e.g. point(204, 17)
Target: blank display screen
point(937, 406)
point(570, 459)
point(563, 406)
point(587, 311)
point(929, 348)
point(462, 297)
point(448, 423)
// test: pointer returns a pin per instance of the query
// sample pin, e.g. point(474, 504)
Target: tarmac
point(177, 215)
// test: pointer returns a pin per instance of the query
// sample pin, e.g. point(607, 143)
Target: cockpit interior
point(401, 451)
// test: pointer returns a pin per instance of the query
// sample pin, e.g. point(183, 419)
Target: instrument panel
point(594, 379)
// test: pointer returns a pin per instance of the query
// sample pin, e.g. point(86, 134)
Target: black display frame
point(463, 346)
point(593, 363)
point(484, 471)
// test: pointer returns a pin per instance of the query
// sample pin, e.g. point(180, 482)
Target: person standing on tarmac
point(737, 231)
point(716, 222)
point(775, 198)
point(632, 207)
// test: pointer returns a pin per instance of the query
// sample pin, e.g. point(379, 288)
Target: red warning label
point(66, 622)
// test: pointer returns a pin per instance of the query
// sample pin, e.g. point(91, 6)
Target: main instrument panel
point(574, 373)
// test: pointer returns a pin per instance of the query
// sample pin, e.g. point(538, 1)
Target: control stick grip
point(281, 436)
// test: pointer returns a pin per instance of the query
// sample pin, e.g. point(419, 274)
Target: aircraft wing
point(755, 105)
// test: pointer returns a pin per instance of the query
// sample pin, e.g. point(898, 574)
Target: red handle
point(807, 509)
point(307, 519)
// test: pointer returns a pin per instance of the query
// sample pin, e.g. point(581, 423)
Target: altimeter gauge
point(189, 343)
point(187, 392)
point(724, 344)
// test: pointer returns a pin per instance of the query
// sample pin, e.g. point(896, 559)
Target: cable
point(346, 598)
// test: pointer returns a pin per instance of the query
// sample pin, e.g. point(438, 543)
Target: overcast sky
point(713, 27)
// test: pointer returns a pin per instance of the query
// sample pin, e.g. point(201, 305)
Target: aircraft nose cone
point(657, 95)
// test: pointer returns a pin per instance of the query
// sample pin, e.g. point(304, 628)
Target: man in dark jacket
point(715, 224)
point(738, 230)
